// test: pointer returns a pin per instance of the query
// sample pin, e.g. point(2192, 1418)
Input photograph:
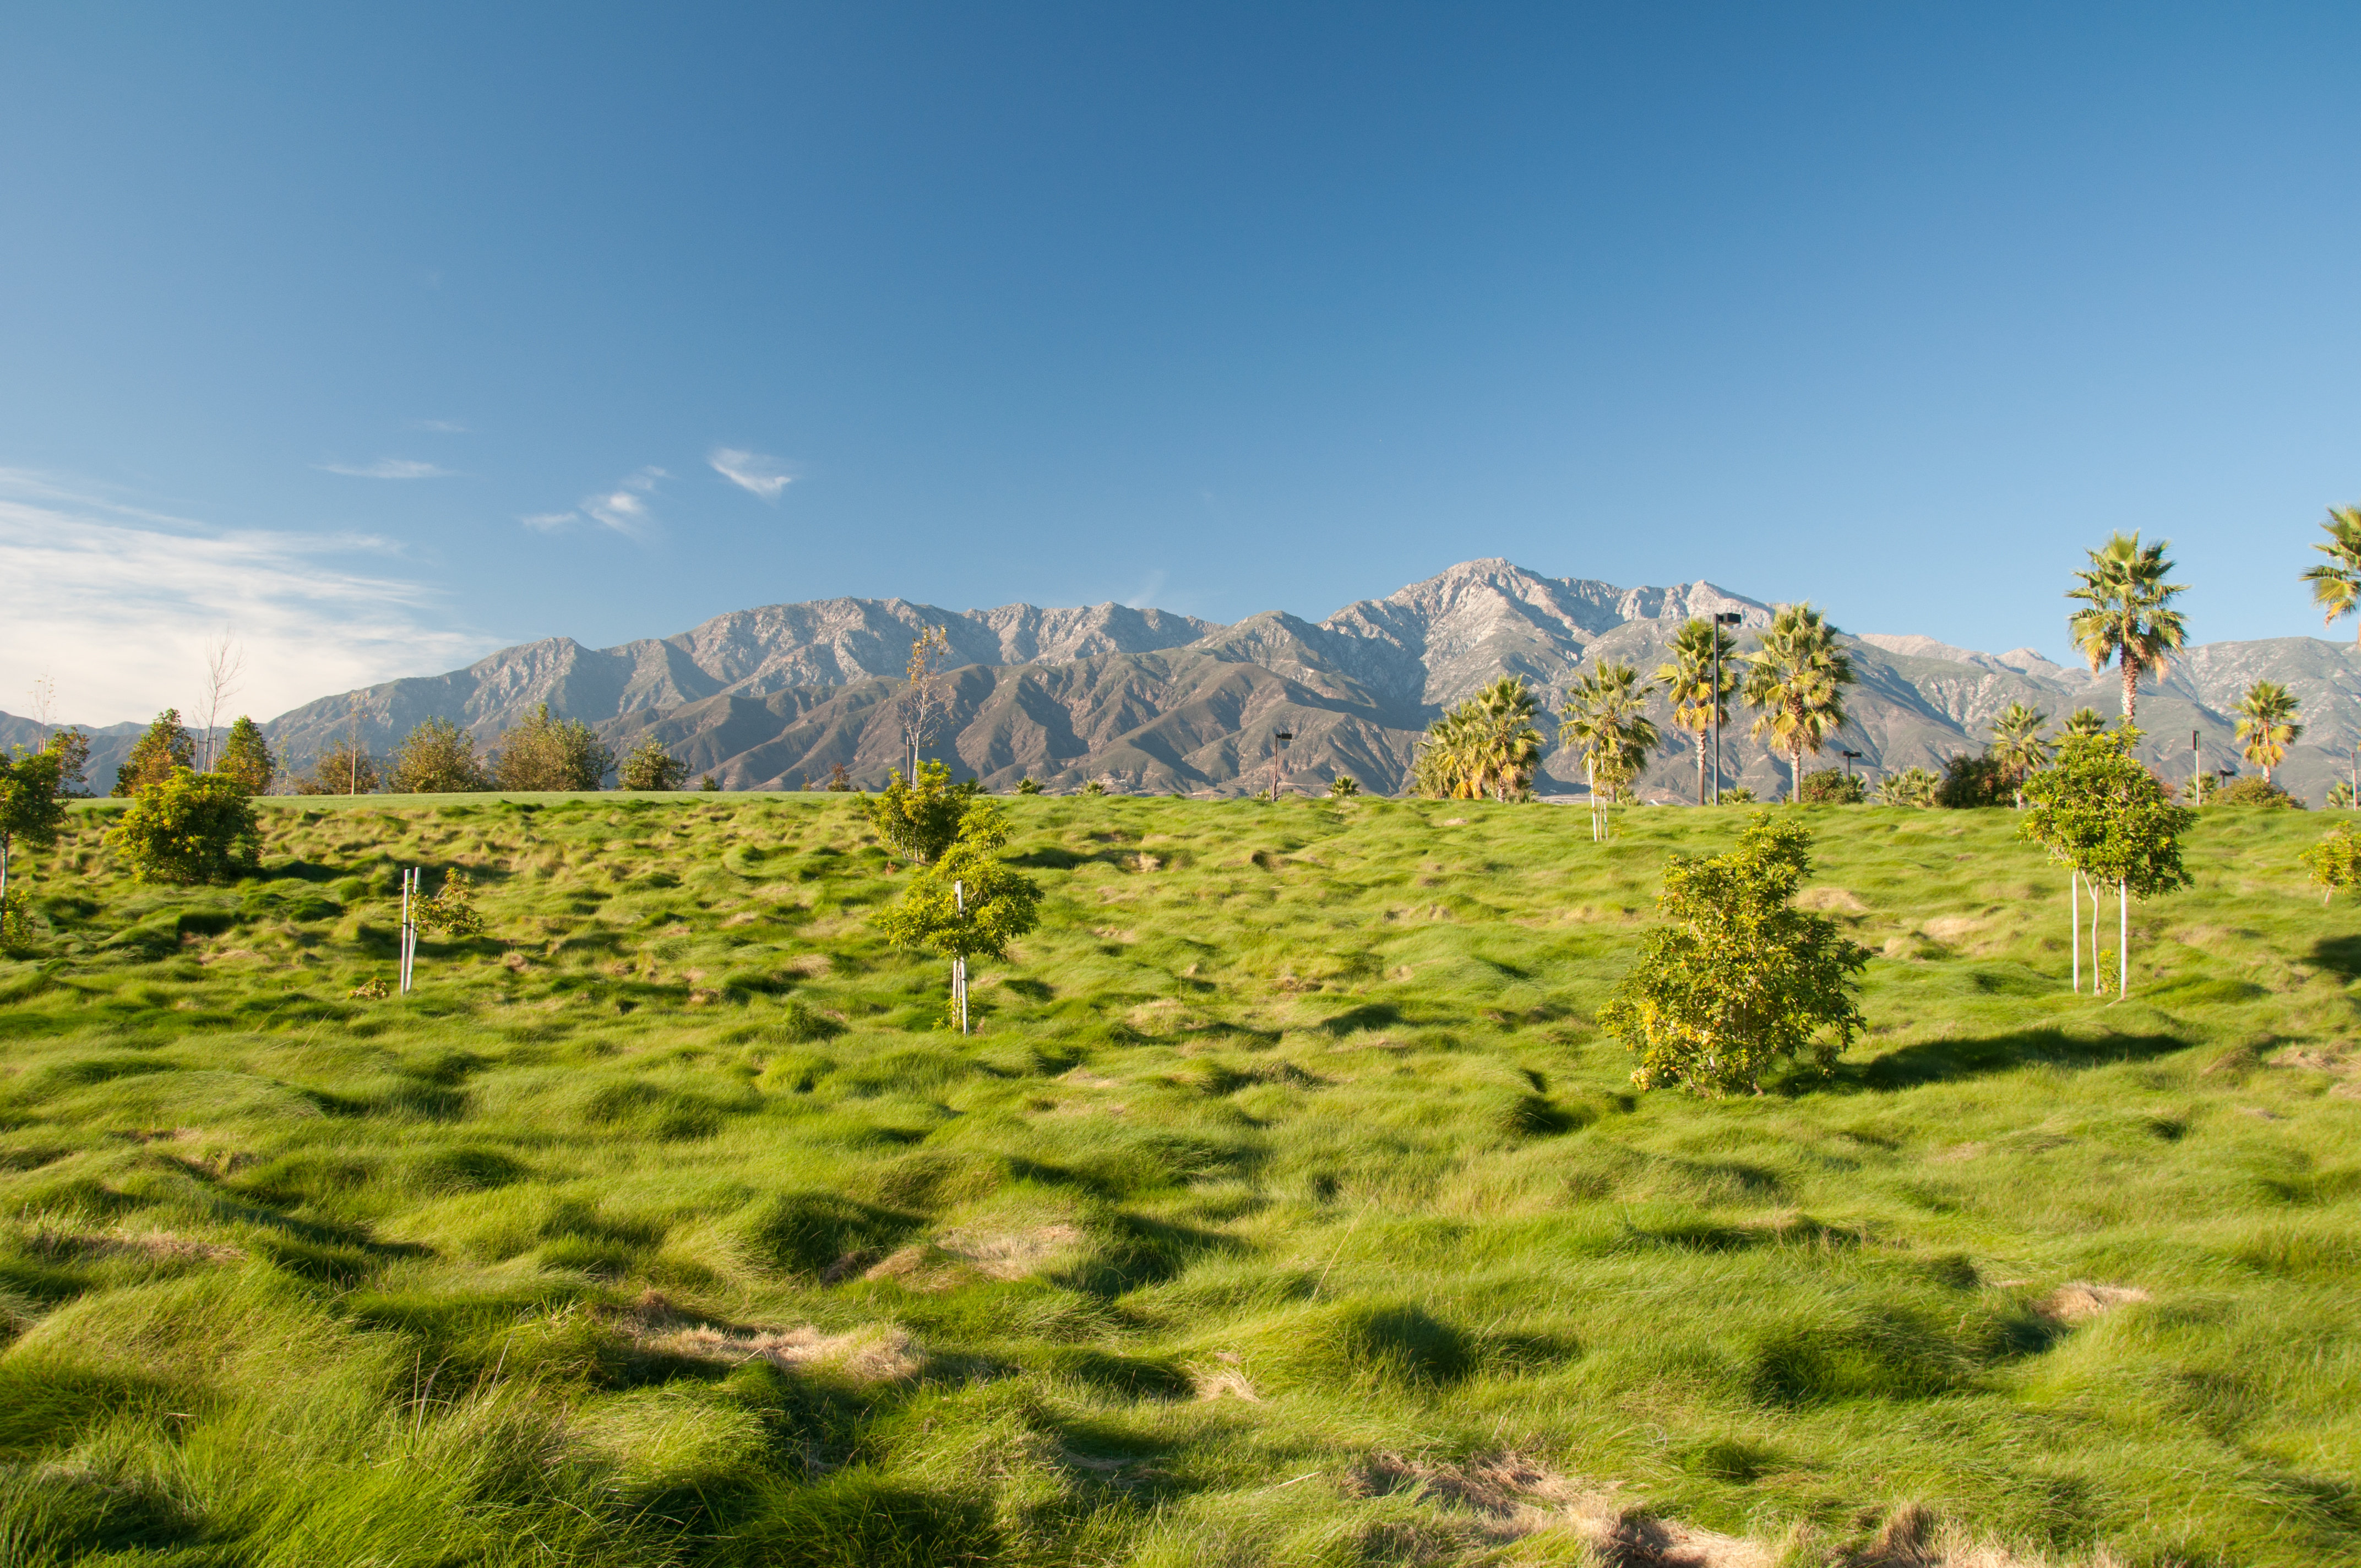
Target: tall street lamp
point(1850, 758)
point(1721, 617)
point(1284, 736)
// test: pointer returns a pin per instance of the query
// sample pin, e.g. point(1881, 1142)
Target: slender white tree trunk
point(2074, 922)
point(2122, 941)
point(2098, 975)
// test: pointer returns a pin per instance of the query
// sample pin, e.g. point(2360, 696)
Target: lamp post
point(2196, 772)
point(1850, 758)
point(1284, 734)
point(1721, 617)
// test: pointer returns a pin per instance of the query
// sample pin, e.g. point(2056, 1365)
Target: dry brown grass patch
point(2078, 1300)
point(876, 1353)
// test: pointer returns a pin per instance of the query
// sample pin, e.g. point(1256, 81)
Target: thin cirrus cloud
point(439, 426)
point(389, 468)
point(751, 471)
point(131, 598)
point(623, 509)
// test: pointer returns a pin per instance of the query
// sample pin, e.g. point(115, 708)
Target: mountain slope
point(766, 697)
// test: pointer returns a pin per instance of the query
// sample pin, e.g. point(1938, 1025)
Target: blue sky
point(384, 336)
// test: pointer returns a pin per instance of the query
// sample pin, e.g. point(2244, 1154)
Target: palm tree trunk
point(2131, 690)
point(1700, 741)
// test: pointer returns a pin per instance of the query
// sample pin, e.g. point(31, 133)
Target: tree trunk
point(2131, 689)
point(1700, 767)
point(2122, 941)
point(2074, 923)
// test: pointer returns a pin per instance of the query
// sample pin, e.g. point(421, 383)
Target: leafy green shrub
point(1832, 787)
point(189, 827)
point(2334, 861)
point(547, 753)
point(1344, 787)
point(1744, 978)
point(452, 909)
point(1028, 784)
point(1737, 794)
point(919, 820)
point(1094, 787)
point(651, 766)
point(1973, 779)
point(2254, 790)
point(437, 758)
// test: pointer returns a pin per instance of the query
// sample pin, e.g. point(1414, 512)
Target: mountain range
point(1148, 700)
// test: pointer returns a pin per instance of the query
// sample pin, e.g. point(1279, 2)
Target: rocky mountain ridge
point(771, 697)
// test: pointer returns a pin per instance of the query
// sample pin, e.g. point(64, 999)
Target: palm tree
point(1487, 745)
point(2337, 582)
point(1798, 680)
point(2086, 721)
point(2018, 746)
point(1510, 745)
point(1606, 718)
point(2129, 619)
point(1911, 787)
point(2266, 725)
point(1689, 680)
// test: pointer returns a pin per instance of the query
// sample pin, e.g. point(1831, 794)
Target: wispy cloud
point(389, 468)
point(439, 426)
point(751, 471)
point(1146, 597)
point(623, 509)
point(122, 602)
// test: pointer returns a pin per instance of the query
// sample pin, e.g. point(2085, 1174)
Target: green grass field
point(1286, 1206)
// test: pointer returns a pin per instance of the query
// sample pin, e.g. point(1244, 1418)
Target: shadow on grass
point(2340, 956)
point(1933, 1061)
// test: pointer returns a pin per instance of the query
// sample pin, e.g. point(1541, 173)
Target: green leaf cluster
point(968, 903)
point(437, 758)
point(2334, 861)
point(1742, 979)
point(189, 828)
point(919, 820)
point(452, 909)
point(547, 753)
point(247, 758)
point(2103, 813)
point(1832, 787)
point(651, 766)
point(166, 745)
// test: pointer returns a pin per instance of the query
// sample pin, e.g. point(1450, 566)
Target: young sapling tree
point(2334, 861)
point(967, 901)
point(2109, 819)
point(30, 809)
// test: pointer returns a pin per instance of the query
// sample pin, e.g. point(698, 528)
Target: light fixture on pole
point(1850, 758)
point(2196, 772)
point(1285, 737)
point(1721, 617)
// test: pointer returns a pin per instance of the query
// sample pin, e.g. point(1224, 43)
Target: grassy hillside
point(1286, 1208)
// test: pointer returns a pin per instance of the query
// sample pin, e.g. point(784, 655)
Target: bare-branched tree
point(922, 704)
point(224, 665)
